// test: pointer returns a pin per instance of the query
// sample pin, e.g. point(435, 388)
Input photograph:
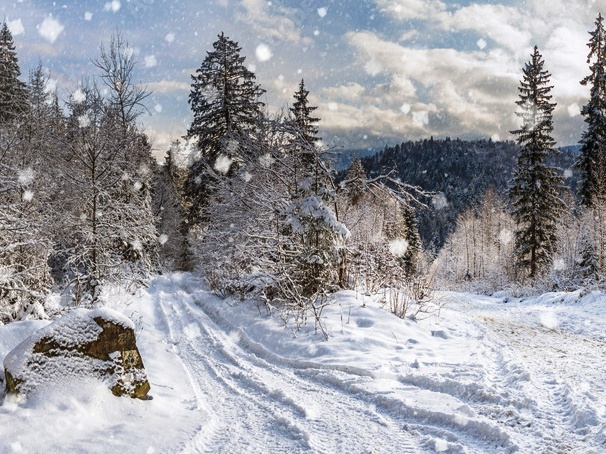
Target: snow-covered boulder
point(96, 343)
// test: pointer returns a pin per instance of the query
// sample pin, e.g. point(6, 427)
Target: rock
point(96, 343)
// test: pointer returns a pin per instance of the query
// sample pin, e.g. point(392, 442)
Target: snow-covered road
point(490, 375)
point(553, 359)
point(248, 402)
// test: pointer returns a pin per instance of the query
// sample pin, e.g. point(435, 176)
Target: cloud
point(50, 29)
point(432, 91)
point(505, 25)
point(167, 86)
point(411, 9)
point(271, 21)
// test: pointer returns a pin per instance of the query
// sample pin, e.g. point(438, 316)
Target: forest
point(252, 202)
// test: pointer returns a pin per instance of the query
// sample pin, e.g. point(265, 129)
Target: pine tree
point(13, 92)
point(535, 187)
point(355, 181)
point(592, 157)
point(414, 246)
point(225, 101)
point(311, 215)
point(305, 126)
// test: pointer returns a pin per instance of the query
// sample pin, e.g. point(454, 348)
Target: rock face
point(98, 343)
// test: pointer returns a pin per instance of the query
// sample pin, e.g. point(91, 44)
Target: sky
point(379, 71)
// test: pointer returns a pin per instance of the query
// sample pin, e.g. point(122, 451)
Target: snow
point(16, 27)
point(113, 6)
point(489, 375)
point(263, 52)
point(150, 61)
point(50, 29)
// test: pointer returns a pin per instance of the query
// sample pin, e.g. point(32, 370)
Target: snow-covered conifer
point(535, 187)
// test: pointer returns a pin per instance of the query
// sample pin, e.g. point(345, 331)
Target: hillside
point(458, 172)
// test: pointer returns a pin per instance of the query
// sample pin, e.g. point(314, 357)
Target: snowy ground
point(490, 375)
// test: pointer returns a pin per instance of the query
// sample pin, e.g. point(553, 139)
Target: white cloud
point(50, 29)
point(507, 26)
point(271, 25)
point(168, 86)
point(470, 92)
point(16, 27)
point(411, 9)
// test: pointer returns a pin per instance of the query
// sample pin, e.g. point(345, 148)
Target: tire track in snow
point(229, 416)
point(292, 414)
point(330, 421)
point(426, 423)
point(554, 370)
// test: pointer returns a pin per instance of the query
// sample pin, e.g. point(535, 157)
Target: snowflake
point(83, 121)
point(79, 96)
point(150, 61)
point(222, 164)
point(28, 196)
point(50, 29)
point(113, 6)
point(162, 239)
point(26, 176)
point(398, 247)
point(263, 52)
point(266, 160)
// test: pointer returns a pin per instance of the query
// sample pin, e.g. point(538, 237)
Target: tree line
point(248, 198)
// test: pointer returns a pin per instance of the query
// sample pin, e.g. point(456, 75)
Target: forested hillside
point(458, 173)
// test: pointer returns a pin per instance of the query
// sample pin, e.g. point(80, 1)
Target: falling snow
point(16, 27)
point(50, 29)
point(263, 52)
point(223, 164)
point(439, 201)
point(113, 6)
point(83, 121)
point(26, 176)
point(398, 247)
point(79, 96)
point(150, 61)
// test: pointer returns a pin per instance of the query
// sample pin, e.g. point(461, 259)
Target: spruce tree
point(225, 101)
point(13, 92)
point(592, 157)
point(414, 246)
point(535, 187)
point(311, 214)
point(355, 181)
point(305, 126)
